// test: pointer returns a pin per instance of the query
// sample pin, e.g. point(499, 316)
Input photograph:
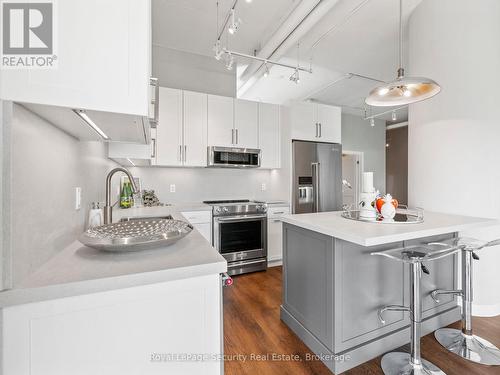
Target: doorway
point(352, 169)
point(396, 161)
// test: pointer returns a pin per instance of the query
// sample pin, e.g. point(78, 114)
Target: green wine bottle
point(124, 196)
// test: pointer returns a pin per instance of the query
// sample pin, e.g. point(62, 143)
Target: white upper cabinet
point(103, 60)
point(195, 129)
point(169, 150)
point(329, 120)
point(269, 135)
point(316, 122)
point(246, 119)
point(220, 121)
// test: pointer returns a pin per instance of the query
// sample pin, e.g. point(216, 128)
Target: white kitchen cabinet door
point(124, 331)
point(169, 131)
point(274, 233)
point(246, 120)
point(220, 121)
point(103, 60)
point(195, 129)
point(269, 135)
point(329, 118)
point(304, 124)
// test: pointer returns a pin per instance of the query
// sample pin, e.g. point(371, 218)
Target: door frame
point(359, 176)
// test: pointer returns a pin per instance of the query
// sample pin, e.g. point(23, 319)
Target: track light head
point(219, 52)
point(266, 70)
point(295, 77)
point(229, 62)
point(235, 23)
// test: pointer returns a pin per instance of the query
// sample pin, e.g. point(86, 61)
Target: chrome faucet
point(108, 208)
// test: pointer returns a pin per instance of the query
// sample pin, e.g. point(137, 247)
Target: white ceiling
point(355, 36)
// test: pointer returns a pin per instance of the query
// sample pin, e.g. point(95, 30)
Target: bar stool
point(464, 343)
point(396, 363)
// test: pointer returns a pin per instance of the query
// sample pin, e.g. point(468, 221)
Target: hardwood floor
point(252, 328)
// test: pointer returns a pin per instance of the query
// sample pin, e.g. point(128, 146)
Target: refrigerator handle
point(315, 178)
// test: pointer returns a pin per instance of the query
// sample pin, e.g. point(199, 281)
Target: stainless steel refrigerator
point(317, 176)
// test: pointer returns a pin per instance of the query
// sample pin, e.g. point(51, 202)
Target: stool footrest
point(437, 292)
point(391, 308)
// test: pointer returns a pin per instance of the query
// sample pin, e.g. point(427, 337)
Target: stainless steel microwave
point(230, 157)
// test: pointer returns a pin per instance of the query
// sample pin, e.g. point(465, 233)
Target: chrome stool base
point(398, 363)
point(472, 348)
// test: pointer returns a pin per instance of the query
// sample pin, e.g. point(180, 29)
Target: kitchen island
point(90, 312)
point(333, 288)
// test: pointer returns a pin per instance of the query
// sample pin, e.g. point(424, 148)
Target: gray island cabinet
point(333, 288)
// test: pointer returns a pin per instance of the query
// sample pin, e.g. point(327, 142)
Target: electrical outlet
point(172, 188)
point(263, 187)
point(78, 198)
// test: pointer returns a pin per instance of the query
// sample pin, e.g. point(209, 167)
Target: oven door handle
point(239, 218)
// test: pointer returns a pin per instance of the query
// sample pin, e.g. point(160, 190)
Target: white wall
point(358, 135)
point(47, 164)
point(188, 71)
point(454, 138)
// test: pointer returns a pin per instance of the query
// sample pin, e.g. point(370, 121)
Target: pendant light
point(404, 90)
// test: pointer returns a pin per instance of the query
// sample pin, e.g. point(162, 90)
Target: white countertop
point(371, 234)
point(81, 270)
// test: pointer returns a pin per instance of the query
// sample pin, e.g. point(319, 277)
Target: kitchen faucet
point(108, 208)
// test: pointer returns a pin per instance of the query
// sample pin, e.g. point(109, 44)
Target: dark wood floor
point(252, 325)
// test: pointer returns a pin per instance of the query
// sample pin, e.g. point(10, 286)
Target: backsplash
point(47, 165)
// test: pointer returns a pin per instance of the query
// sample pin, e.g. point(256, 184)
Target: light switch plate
point(78, 198)
point(172, 188)
point(263, 187)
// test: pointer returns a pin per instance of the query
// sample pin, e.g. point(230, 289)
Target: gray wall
point(358, 135)
point(188, 71)
point(47, 165)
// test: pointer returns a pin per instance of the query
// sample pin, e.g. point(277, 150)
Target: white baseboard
point(486, 310)
point(274, 262)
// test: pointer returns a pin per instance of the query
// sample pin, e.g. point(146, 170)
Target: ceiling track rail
point(266, 61)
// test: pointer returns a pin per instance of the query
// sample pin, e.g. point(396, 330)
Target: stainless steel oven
point(240, 235)
point(231, 157)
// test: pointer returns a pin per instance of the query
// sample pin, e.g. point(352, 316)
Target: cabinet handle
point(180, 153)
point(153, 148)
point(185, 153)
point(319, 129)
point(236, 136)
point(155, 101)
point(316, 124)
point(279, 213)
point(232, 136)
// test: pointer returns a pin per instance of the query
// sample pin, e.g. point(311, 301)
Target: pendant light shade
point(403, 90)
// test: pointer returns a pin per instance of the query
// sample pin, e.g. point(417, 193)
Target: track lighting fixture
point(295, 77)
point(394, 116)
point(219, 52)
point(266, 70)
point(235, 23)
point(229, 61)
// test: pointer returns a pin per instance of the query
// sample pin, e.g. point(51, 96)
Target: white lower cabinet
point(201, 221)
point(138, 330)
point(274, 233)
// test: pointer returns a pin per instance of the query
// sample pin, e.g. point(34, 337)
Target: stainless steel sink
point(136, 234)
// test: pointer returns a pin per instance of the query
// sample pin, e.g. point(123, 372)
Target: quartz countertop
point(79, 270)
point(371, 234)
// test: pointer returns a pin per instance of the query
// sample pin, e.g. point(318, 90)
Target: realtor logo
point(27, 34)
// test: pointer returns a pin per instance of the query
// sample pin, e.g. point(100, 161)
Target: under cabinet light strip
point(83, 115)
